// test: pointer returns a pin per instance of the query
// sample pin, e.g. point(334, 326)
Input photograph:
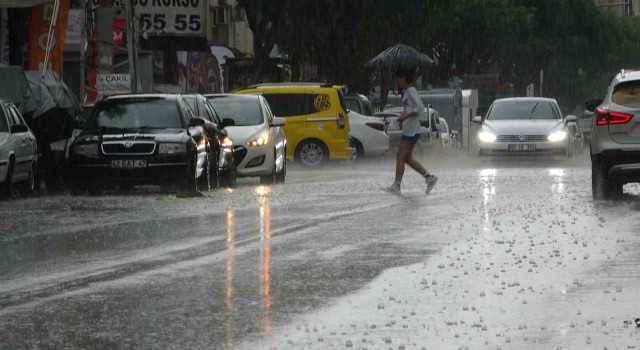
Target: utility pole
point(83, 48)
point(131, 37)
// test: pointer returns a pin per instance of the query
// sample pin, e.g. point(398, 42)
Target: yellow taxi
point(317, 128)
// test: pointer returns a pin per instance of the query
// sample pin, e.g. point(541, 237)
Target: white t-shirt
point(412, 103)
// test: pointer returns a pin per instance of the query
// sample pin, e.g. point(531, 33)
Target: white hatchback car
point(368, 135)
point(18, 152)
point(258, 138)
point(530, 125)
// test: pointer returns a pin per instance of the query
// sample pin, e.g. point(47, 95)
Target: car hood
point(242, 134)
point(522, 127)
point(158, 135)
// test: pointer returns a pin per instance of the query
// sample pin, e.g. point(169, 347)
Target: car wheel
point(27, 188)
point(204, 181)
point(190, 184)
point(604, 187)
point(228, 178)
point(312, 153)
point(7, 189)
point(281, 177)
point(359, 148)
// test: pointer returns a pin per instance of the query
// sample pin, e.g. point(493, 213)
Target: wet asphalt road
point(240, 266)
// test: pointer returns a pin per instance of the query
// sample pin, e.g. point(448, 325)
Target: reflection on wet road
point(153, 271)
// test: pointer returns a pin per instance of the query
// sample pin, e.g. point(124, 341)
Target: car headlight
point(487, 136)
point(87, 149)
point(226, 142)
point(556, 136)
point(172, 148)
point(262, 140)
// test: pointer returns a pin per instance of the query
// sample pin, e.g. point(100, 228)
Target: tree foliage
point(578, 45)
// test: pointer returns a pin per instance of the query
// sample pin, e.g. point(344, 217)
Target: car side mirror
point(19, 128)
point(197, 121)
point(278, 122)
point(477, 119)
point(228, 122)
point(571, 119)
point(593, 104)
point(454, 133)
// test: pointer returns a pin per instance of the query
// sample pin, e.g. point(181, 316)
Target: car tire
point(228, 178)
point(190, 183)
point(604, 187)
point(312, 153)
point(27, 188)
point(359, 148)
point(7, 188)
point(281, 177)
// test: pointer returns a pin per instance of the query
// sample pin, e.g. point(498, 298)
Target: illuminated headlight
point(226, 142)
point(559, 135)
point(486, 136)
point(260, 141)
point(172, 148)
point(87, 149)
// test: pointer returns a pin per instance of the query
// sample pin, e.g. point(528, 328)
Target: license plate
point(128, 164)
point(522, 148)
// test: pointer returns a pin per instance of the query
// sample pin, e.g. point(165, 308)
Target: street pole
point(83, 47)
point(133, 77)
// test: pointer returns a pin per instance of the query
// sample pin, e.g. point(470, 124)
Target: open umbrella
point(400, 55)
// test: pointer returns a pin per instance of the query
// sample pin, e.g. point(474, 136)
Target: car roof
point(141, 96)
point(525, 99)
point(235, 96)
point(291, 84)
point(627, 75)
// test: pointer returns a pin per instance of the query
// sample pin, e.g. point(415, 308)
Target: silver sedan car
point(524, 126)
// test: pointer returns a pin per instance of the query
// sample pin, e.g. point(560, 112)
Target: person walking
point(410, 121)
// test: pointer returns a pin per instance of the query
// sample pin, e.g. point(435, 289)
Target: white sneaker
point(431, 182)
point(393, 189)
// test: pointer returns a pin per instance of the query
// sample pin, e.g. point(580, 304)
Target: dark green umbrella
point(400, 55)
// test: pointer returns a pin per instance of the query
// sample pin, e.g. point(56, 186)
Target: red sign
point(41, 17)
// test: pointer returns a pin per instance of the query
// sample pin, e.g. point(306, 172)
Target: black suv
point(142, 139)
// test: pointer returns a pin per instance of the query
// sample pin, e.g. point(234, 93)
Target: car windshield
point(523, 110)
point(4, 127)
point(244, 112)
point(136, 114)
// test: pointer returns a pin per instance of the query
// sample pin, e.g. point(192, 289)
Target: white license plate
point(128, 164)
point(522, 148)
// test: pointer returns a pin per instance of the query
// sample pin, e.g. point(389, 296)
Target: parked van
point(317, 127)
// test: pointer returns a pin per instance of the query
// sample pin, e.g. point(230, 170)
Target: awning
point(21, 3)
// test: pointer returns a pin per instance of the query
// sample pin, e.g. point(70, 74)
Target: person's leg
point(415, 165)
point(404, 150)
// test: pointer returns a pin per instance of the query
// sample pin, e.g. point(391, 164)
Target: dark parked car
point(218, 138)
point(142, 139)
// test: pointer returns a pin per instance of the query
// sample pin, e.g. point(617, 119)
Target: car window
point(267, 111)
point(244, 112)
point(523, 110)
point(4, 125)
point(627, 94)
point(186, 110)
point(14, 117)
point(136, 114)
point(214, 116)
point(367, 108)
point(288, 105)
point(18, 116)
point(192, 102)
point(353, 105)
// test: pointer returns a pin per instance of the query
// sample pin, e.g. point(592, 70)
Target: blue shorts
point(413, 139)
